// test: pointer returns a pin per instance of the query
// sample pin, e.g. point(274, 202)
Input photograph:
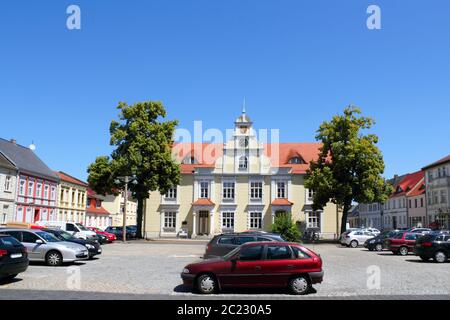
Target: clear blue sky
point(296, 62)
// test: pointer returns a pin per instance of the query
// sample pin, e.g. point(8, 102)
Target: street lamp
point(126, 180)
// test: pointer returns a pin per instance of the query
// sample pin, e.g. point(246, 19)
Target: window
point(255, 220)
point(30, 188)
point(310, 194)
point(172, 193)
point(46, 192)
point(243, 163)
point(299, 254)
point(228, 221)
point(251, 253)
point(29, 237)
point(8, 183)
point(70, 227)
point(296, 160)
point(98, 203)
point(243, 240)
point(226, 240)
point(38, 190)
point(22, 188)
point(443, 196)
point(228, 190)
point(278, 253)
point(415, 203)
point(204, 189)
point(421, 202)
point(256, 190)
point(53, 193)
point(4, 214)
point(435, 197)
point(430, 175)
point(281, 189)
point(170, 220)
point(313, 220)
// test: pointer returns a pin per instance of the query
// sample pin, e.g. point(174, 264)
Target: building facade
point(115, 205)
point(72, 198)
point(8, 186)
point(437, 181)
point(237, 186)
point(96, 215)
point(36, 187)
point(416, 202)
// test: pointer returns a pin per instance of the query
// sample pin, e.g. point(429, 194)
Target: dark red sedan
point(402, 242)
point(257, 264)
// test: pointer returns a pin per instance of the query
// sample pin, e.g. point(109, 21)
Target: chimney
point(13, 141)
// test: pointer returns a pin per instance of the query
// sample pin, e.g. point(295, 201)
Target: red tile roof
point(418, 190)
point(203, 202)
point(441, 161)
point(281, 202)
point(96, 210)
point(408, 183)
point(206, 154)
point(67, 178)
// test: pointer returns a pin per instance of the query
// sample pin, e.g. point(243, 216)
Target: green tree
point(142, 142)
point(284, 226)
point(349, 166)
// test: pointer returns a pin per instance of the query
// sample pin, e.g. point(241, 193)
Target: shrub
point(284, 226)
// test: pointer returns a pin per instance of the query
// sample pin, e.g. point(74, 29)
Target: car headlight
point(90, 246)
point(185, 271)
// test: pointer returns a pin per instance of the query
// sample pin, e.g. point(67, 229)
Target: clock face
point(243, 142)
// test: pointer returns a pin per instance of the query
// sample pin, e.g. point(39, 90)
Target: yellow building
point(71, 199)
point(237, 186)
point(115, 205)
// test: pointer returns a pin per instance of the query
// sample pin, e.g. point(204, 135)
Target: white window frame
point(170, 221)
point(172, 194)
point(22, 187)
point(281, 193)
point(313, 219)
point(256, 190)
point(30, 186)
point(39, 190)
point(227, 221)
point(243, 162)
point(8, 183)
point(228, 190)
point(255, 218)
point(204, 191)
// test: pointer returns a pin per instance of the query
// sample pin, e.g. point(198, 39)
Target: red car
point(110, 236)
point(257, 264)
point(402, 242)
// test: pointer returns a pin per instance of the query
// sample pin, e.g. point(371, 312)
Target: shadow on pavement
point(67, 264)
point(183, 289)
point(10, 281)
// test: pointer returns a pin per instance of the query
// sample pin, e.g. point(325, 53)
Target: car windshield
point(47, 236)
point(82, 228)
point(65, 235)
point(232, 253)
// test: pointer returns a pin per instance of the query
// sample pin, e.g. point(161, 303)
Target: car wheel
point(424, 258)
point(206, 284)
point(440, 257)
point(379, 247)
point(354, 244)
point(403, 251)
point(300, 285)
point(53, 258)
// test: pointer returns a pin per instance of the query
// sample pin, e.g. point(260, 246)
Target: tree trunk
point(346, 208)
point(139, 216)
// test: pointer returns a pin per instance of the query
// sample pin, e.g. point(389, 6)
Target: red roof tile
point(418, 190)
point(203, 202)
point(281, 202)
point(408, 183)
point(96, 210)
point(67, 178)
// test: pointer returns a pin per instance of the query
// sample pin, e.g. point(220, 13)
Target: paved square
point(146, 270)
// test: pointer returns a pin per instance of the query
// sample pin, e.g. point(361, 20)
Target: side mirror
point(39, 241)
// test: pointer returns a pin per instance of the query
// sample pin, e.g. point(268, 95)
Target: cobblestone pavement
point(146, 270)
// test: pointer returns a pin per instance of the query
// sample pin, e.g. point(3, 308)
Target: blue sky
point(296, 62)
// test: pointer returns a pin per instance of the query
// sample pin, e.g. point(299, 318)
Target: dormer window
point(243, 163)
point(296, 160)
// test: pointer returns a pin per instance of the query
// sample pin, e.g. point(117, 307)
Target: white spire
point(243, 106)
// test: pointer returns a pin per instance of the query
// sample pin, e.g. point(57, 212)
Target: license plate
point(16, 255)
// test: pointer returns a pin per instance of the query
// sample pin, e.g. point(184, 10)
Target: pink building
point(416, 201)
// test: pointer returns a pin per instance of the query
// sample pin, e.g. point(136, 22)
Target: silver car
point(43, 246)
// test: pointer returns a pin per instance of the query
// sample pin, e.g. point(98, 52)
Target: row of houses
point(419, 199)
point(30, 191)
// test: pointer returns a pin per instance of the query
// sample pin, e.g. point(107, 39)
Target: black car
point(102, 239)
point(220, 245)
point(376, 243)
point(434, 246)
point(93, 246)
point(13, 257)
point(118, 231)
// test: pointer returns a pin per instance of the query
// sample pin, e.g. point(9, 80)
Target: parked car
point(93, 246)
point(420, 230)
point(102, 239)
point(377, 242)
point(13, 257)
point(109, 236)
point(76, 229)
point(346, 232)
point(402, 242)
point(117, 231)
point(257, 264)
point(222, 244)
point(433, 246)
point(356, 238)
point(42, 246)
point(374, 231)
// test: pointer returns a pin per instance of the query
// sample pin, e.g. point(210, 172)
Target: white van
point(74, 228)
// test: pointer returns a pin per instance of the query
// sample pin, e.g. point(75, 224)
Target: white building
point(8, 186)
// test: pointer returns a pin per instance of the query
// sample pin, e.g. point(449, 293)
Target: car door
point(278, 265)
point(246, 270)
point(35, 250)
point(410, 240)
